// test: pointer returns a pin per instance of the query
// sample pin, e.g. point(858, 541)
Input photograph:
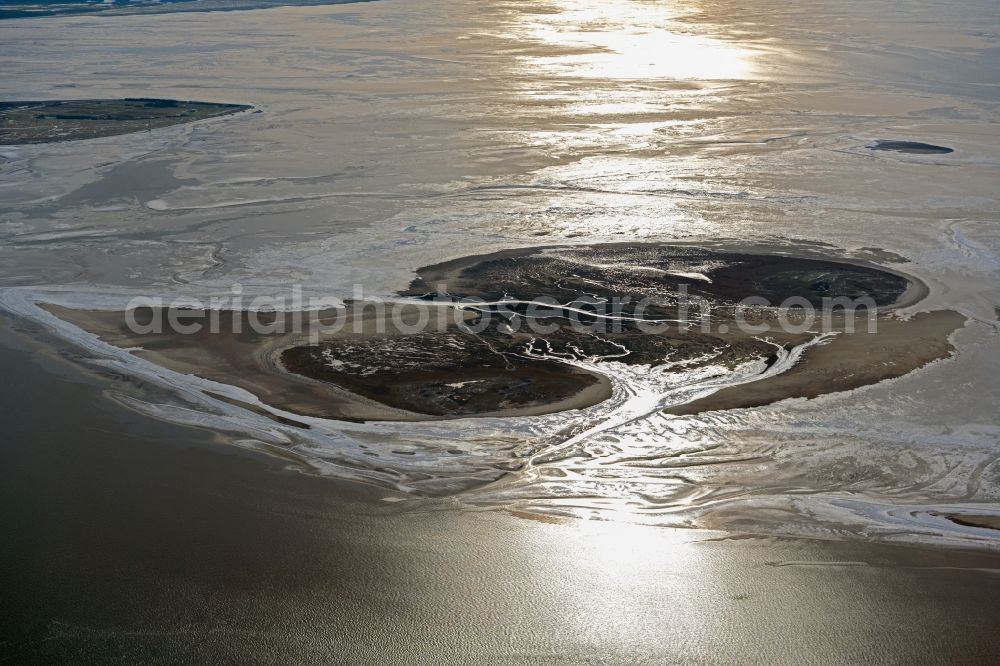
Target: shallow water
point(158, 544)
point(400, 134)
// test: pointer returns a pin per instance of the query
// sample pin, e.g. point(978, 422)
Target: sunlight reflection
point(618, 545)
point(609, 575)
point(626, 39)
point(604, 79)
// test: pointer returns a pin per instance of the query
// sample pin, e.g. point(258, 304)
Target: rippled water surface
point(392, 135)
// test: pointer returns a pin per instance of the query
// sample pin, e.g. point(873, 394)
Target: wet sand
point(163, 544)
point(855, 360)
point(974, 520)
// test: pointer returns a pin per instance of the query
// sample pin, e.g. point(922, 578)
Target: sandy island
point(377, 368)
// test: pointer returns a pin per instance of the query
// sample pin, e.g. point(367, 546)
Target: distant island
point(70, 120)
point(17, 9)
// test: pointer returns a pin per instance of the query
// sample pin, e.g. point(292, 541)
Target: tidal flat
point(197, 499)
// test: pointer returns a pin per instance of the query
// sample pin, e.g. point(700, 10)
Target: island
point(76, 119)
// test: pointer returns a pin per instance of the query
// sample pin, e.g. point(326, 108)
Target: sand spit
point(849, 361)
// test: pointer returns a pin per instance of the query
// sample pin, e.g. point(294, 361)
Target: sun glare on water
point(618, 39)
point(604, 84)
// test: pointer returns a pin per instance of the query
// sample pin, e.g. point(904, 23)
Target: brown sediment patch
point(537, 517)
point(257, 409)
point(973, 520)
point(878, 254)
point(850, 361)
